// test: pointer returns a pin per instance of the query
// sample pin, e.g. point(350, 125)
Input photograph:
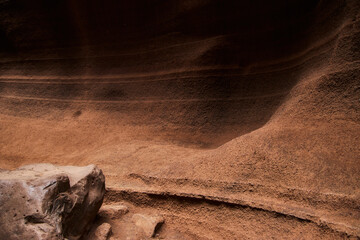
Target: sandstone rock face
point(196, 72)
point(44, 201)
point(102, 232)
point(149, 224)
point(242, 101)
point(113, 211)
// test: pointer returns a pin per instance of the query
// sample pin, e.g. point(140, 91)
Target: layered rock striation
point(194, 72)
point(253, 105)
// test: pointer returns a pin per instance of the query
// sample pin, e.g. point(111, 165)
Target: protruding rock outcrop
point(44, 201)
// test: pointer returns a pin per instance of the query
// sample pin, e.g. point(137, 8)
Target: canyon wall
point(242, 103)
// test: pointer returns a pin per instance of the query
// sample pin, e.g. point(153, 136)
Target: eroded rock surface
point(149, 224)
point(113, 211)
point(102, 232)
point(44, 201)
point(233, 119)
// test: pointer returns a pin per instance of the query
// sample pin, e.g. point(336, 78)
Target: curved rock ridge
point(250, 101)
point(194, 72)
point(44, 201)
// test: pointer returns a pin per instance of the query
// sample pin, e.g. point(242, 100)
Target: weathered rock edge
point(44, 201)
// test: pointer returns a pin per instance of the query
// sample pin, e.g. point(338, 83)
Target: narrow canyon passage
point(234, 119)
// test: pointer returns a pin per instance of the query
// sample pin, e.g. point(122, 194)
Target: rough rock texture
point(234, 119)
point(149, 224)
point(194, 72)
point(116, 220)
point(101, 232)
point(113, 211)
point(44, 201)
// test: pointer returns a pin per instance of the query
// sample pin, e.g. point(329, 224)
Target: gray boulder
point(44, 201)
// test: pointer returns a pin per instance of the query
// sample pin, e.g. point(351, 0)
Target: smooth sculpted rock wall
point(44, 201)
point(196, 72)
point(261, 99)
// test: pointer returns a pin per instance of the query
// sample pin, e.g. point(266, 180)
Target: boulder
point(149, 224)
point(113, 211)
point(102, 232)
point(44, 201)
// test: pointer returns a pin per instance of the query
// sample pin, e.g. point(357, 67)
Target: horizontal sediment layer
point(243, 111)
